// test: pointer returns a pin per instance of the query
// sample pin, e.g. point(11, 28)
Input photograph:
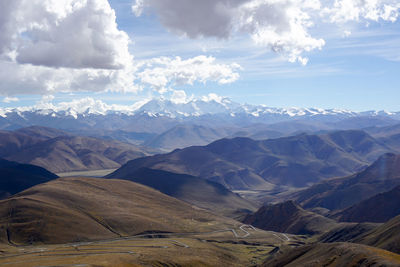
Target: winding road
point(40, 251)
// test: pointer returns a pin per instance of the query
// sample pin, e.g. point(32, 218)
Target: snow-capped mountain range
point(213, 109)
point(192, 108)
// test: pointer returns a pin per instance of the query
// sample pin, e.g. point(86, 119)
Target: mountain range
point(295, 161)
point(379, 208)
point(340, 193)
point(288, 217)
point(194, 190)
point(194, 107)
point(325, 185)
point(59, 151)
point(95, 114)
point(165, 125)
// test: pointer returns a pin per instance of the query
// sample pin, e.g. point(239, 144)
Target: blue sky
point(358, 70)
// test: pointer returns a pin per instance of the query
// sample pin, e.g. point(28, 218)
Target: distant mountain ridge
point(201, 111)
point(335, 194)
point(59, 151)
point(288, 217)
point(379, 208)
point(243, 163)
point(195, 107)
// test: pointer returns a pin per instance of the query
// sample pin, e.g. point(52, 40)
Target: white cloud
point(28, 79)
point(53, 46)
point(193, 18)
point(63, 33)
point(80, 106)
point(357, 10)
point(281, 25)
point(162, 72)
point(10, 99)
point(85, 104)
point(212, 97)
point(284, 26)
point(62, 46)
point(137, 7)
point(179, 97)
point(7, 24)
point(45, 103)
point(346, 33)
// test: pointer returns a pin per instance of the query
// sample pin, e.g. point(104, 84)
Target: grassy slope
point(288, 217)
point(379, 208)
point(77, 209)
point(334, 254)
point(194, 190)
point(340, 193)
point(386, 236)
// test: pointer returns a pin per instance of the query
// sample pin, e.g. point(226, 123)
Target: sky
point(279, 53)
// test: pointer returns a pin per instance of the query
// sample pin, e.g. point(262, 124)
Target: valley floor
point(93, 173)
point(243, 246)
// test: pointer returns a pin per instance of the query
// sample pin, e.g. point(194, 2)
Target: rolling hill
point(386, 236)
point(58, 151)
point(345, 232)
point(42, 133)
point(243, 163)
point(333, 254)
point(185, 135)
point(288, 217)
point(12, 142)
point(15, 177)
point(82, 209)
point(379, 208)
point(200, 192)
point(341, 193)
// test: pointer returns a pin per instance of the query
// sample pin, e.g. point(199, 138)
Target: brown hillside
point(332, 255)
point(341, 193)
point(288, 217)
point(79, 209)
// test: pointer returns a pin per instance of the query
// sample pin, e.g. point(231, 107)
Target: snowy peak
point(207, 105)
point(195, 107)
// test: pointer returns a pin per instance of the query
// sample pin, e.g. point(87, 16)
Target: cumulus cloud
point(79, 106)
point(63, 33)
point(62, 46)
point(193, 18)
point(159, 73)
point(10, 99)
point(281, 25)
point(6, 24)
point(179, 97)
point(29, 79)
point(356, 10)
point(53, 46)
point(212, 97)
